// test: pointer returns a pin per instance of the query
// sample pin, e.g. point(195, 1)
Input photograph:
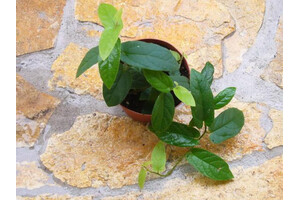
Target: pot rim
point(150, 40)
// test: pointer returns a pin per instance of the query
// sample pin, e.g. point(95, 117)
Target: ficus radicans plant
point(153, 72)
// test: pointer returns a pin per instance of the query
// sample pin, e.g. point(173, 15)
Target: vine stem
point(171, 170)
point(203, 132)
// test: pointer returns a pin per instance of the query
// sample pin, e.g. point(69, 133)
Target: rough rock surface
point(274, 71)
point(38, 23)
point(30, 176)
point(98, 150)
point(55, 197)
point(275, 136)
point(64, 71)
point(33, 110)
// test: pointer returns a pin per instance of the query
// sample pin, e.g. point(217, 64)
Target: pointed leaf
point(119, 90)
point(158, 157)
point(90, 58)
point(227, 125)
point(184, 95)
point(106, 14)
point(176, 55)
point(178, 135)
point(142, 177)
point(209, 164)
point(148, 56)
point(224, 97)
point(109, 68)
point(163, 112)
point(181, 80)
point(208, 72)
point(159, 80)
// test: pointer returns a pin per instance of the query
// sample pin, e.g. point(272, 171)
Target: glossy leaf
point(181, 80)
point(184, 95)
point(90, 58)
point(159, 80)
point(204, 109)
point(163, 112)
point(158, 157)
point(112, 22)
point(109, 68)
point(227, 125)
point(224, 97)
point(178, 135)
point(119, 89)
point(208, 72)
point(176, 55)
point(148, 56)
point(142, 177)
point(209, 164)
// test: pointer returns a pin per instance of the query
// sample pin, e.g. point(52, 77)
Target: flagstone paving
point(98, 156)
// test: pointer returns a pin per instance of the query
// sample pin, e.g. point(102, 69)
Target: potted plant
point(148, 78)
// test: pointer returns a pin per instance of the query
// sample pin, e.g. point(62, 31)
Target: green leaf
point(224, 97)
point(209, 164)
point(90, 58)
point(204, 109)
point(119, 90)
point(159, 80)
point(179, 135)
point(112, 22)
point(142, 177)
point(176, 55)
point(158, 157)
point(227, 125)
point(163, 112)
point(148, 56)
point(109, 68)
point(138, 80)
point(208, 72)
point(181, 80)
point(184, 95)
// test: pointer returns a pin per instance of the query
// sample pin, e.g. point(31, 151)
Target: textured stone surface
point(261, 182)
point(33, 109)
point(248, 140)
point(274, 71)
point(37, 24)
point(248, 17)
point(99, 149)
point(29, 176)
point(275, 136)
point(64, 73)
point(55, 197)
point(194, 27)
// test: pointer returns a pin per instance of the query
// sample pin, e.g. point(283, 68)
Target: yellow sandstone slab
point(274, 71)
point(248, 16)
point(275, 136)
point(260, 182)
point(33, 110)
point(98, 150)
point(55, 197)
point(29, 176)
point(248, 140)
point(37, 24)
point(64, 71)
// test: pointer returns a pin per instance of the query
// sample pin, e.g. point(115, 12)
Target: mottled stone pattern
point(55, 197)
point(268, 179)
point(30, 176)
point(98, 150)
point(248, 140)
point(38, 22)
point(275, 136)
point(64, 71)
point(33, 110)
point(248, 17)
point(274, 71)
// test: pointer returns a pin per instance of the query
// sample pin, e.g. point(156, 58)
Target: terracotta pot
point(147, 117)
